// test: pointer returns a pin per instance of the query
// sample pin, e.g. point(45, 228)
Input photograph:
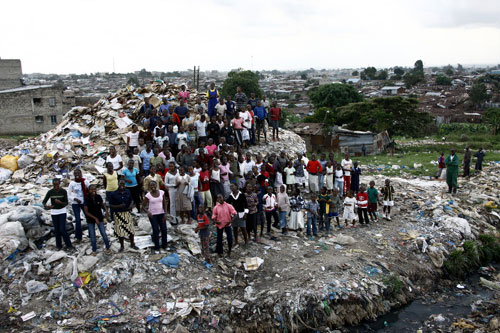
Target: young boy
point(312, 208)
point(355, 173)
point(362, 202)
point(324, 220)
point(372, 201)
point(270, 205)
point(349, 203)
point(283, 207)
point(223, 214)
point(388, 199)
point(202, 230)
point(335, 206)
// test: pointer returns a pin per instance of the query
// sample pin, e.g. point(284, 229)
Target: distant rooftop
point(25, 88)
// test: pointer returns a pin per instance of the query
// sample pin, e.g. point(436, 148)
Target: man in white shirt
point(347, 167)
point(201, 128)
point(221, 107)
point(248, 164)
point(76, 196)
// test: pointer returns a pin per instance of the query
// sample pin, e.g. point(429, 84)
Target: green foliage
point(492, 117)
point(288, 117)
point(321, 115)
point(247, 80)
point(355, 73)
point(369, 73)
point(397, 115)
point(393, 283)
point(475, 253)
point(334, 95)
point(133, 81)
point(382, 75)
point(463, 128)
point(303, 76)
point(415, 76)
point(443, 80)
point(291, 106)
point(399, 71)
point(478, 93)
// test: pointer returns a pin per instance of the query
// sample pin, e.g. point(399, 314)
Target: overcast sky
point(83, 36)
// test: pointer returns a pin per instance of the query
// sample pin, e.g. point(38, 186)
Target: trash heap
point(283, 283)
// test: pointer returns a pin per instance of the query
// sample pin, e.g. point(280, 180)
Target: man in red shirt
point(274, 119)
point(314, 169)
point(362, 202)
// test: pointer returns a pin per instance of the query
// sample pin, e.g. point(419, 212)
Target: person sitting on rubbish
point(58, 201)
point(223, 215)
point(94, 205)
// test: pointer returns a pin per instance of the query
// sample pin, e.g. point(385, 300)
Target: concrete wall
point(10, 73)
point(19, 110)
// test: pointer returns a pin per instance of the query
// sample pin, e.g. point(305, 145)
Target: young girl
point(372, 201)
point(278, 181)
point(329, 176)
point(339, 180)
point(388, 199)
point(349, 204)
point(202, 230)
point(290, 176)
point(335, 207)
point(296, 216)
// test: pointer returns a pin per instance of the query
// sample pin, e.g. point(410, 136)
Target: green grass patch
point(393, 283)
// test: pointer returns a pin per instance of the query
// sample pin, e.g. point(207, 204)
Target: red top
point(442, 165)
point(263, 181)
point(205, 180)
point(314, 167)
point(203, 221)
point(205, 159)
point(177, 120)
point(275, 113)
point(362, 199)
point(252, 114)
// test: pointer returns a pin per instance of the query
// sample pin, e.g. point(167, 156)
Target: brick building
point(29, 109)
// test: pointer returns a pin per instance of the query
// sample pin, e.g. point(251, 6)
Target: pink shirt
point(155, 204)
point(223, 214)
point(224, 169)
point(237, 123)
point(211, 149)
point(184, 95)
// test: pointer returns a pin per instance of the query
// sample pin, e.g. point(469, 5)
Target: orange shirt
point(314, 167)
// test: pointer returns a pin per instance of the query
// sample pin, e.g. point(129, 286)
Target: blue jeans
point(325, 219)
point(158, 225)
point(283, 219)
point(196, 202)
point(321, 178)
point(111, 216)
point(339, 184)
point(59, 222)
point(312, 219)
point(102, 230)
point(77, 208)
point(220, 235)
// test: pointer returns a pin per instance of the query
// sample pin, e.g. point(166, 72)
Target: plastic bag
point(171, 261)
point(24, 161)
point(9, 162)
point(34, 286)
point(12, 237)
point(5, 174)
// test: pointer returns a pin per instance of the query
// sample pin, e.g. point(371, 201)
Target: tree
point(247, 80)
point(321, 115)
point(397, 115)
point(448, 70)
point(355, 73)
point(288, 117)
point(460, 68)
point(303, 76)
point(399, 71)
point(133, 80)
point(369, 73)
point(334, 95)
point(443, 80)
point(492, 117)
point(382, 75)
point(418, 67)
point(478, 94)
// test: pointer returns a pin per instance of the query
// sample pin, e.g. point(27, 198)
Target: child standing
point(372, 201)
point(270, 205)
point(283, 207)
point(330, 171)
point(202, 230)
point(335, 206)
point(362, 202)
point(323, 199)
point(312, 208)
point(355, 173)
point(388, 199)
point(290, 176)
point(339, 180)
point(223, 215)
point(349, 203)
point(296, 205)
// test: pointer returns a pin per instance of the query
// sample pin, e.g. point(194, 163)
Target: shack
point(337, 139)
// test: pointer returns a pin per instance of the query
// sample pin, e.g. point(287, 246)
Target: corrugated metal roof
point(25, 88)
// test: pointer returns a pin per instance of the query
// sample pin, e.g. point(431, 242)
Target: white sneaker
point(383, 215)
point(389, 217)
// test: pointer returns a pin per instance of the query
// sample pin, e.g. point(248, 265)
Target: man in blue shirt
point(146, 107)
point(260, 120)
point(253, 101)
point(181, 110)
point(146, 156)
point(165, 107)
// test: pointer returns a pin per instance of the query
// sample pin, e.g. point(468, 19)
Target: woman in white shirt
point(76, 192)
point(170, 184)
point(133, 138)
point(115, 159)
point(182, 138)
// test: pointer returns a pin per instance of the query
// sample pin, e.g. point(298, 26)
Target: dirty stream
point(437, 310)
